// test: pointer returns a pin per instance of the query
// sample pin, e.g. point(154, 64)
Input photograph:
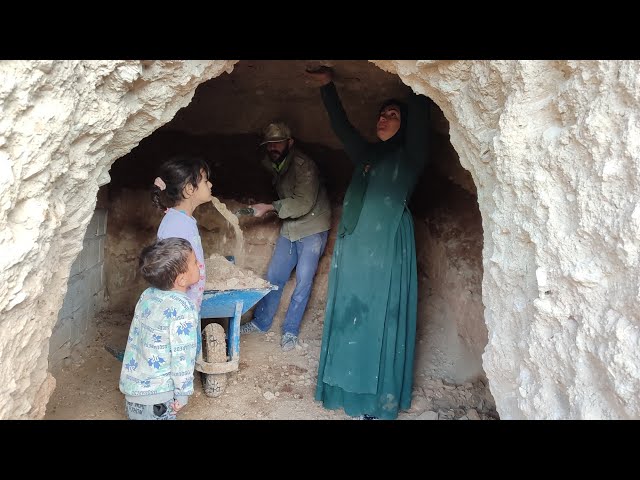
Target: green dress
point(368, 341)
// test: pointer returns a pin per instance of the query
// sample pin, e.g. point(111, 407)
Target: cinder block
point(82, 258)
point(57, 356)
point(76, 334)
point(101, 246)
point(97, 302)
point(101, 215)
point(81, 318)
point(61, 334)
point(79, 292)
point(97, 225)
point(92, 228)
point(91, 252)
point(75, 266)
point(94, 278)
point(67, 304)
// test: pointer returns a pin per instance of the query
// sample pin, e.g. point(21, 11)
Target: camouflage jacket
point(304, 204)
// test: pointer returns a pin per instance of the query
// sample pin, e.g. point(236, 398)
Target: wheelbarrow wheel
point(214, 384)
point(215, 351)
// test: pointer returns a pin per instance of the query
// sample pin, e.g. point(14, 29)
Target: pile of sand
point(224, 275)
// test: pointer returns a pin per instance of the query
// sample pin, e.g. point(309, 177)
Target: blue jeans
point(304, 255)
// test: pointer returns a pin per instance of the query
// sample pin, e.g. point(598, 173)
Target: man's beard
point(280, 158)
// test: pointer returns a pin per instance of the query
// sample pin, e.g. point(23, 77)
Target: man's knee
point(277, 277)
point(304, 284)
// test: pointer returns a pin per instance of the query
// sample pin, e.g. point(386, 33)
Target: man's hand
point(259, 209)
point(321, 74)
point(176, 406)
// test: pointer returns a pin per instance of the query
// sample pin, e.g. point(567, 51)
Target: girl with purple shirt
point(183, 185)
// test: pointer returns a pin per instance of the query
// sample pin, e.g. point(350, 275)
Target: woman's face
point(388, 122)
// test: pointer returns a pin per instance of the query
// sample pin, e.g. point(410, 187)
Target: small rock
point(268, 395)
point(445, 415)
point(428, 415)
point(418, 404)
point(472, 414)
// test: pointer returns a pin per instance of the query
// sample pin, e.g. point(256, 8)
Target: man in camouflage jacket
point(305, 211)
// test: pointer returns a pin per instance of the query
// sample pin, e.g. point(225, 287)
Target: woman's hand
point(321, 74)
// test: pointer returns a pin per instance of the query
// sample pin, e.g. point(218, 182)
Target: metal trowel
point(247, 211)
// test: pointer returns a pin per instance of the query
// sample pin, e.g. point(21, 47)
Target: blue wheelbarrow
point(217, 360)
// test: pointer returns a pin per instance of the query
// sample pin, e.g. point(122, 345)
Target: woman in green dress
point(368, 341)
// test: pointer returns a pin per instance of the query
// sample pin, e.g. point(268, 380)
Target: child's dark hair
point(176, 173)
point(162, 262)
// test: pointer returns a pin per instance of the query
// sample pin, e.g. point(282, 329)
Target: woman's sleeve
point(354, 143)
point(417, 135)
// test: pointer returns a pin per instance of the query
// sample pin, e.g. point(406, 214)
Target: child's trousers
point(159, 411)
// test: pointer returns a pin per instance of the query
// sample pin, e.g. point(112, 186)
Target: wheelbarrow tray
point(222, 303)
point(229, 304)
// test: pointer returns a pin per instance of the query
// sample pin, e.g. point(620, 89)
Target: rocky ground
point(269, 384)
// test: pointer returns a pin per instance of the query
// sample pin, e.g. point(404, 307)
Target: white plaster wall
point(553, 148)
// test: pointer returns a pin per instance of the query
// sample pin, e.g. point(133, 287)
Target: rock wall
point(63, 124)
point(554, 151)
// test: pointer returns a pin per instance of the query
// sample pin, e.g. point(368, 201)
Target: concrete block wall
point(85, 293)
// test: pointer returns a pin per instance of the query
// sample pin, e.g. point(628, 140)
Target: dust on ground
point(269, 384)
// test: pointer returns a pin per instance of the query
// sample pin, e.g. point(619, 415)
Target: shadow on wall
point(452, 333)
point(234, 161)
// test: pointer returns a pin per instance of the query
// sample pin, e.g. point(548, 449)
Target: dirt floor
point(270, 384)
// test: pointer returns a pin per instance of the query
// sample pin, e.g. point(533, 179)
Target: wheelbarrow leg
point(234, 332)
point(215, 351)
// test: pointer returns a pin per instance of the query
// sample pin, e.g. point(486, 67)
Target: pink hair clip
point(158, 182)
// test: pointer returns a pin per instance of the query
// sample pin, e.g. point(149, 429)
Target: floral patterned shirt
point(160, 356)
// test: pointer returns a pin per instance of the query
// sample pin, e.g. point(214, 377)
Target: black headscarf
point(399, 135)
point(360, 180)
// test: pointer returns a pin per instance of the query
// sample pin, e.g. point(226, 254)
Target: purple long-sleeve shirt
point(176, 223)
